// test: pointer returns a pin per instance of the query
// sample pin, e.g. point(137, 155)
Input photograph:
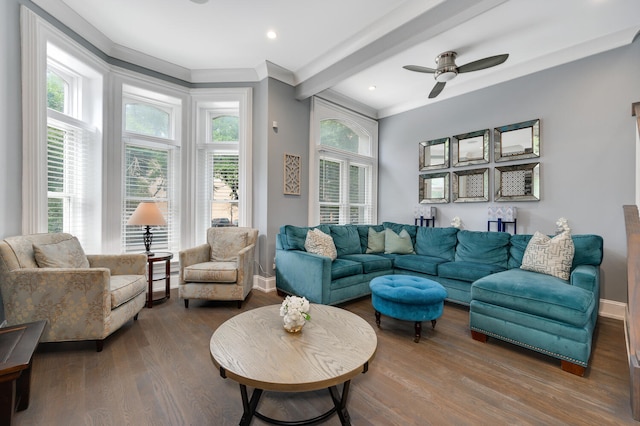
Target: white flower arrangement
point(562, 225)
point(456, 222)
point(296, 308)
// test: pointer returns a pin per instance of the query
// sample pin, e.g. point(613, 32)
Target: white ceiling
point(348, 45)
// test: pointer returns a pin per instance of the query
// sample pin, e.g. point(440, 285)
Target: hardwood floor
point(158, 371)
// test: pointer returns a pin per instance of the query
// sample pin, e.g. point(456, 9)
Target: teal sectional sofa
point(478, 269)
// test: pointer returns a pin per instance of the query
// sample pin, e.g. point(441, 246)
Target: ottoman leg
point(378, 319)
point(433, 323)
point(418, 328)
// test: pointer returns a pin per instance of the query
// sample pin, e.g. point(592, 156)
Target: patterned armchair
point(48, 277)
point(221, 269)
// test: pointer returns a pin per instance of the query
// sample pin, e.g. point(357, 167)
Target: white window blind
point(150, 176)
point(72, 178)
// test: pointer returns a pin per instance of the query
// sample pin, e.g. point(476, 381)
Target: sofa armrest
point(304, 274)
point(120, 264)
point(586, 277)
point(75, 301)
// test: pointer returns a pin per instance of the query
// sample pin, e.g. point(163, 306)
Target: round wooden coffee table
point(254, 350)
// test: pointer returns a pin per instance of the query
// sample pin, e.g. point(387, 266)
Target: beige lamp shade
point(147, 214)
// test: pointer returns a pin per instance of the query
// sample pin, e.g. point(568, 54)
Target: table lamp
point(147, 214)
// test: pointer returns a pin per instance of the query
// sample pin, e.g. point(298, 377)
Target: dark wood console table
point(17, 345)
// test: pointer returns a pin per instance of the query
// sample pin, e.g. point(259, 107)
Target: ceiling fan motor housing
point(447, 68)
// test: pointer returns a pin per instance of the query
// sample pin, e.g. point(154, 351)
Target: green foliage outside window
point(224, 129)
point(147, 120)
point(335, 134)
point(55, 91)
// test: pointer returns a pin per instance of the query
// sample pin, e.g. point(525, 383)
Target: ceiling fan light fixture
point(445, 75)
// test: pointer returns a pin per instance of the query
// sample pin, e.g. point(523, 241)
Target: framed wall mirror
point(517, 183)
point(470, 186)
point(517, 141)
point(470, 148)
point(434, 154)
point(434, 188)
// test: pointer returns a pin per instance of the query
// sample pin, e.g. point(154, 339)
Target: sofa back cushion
point(483, 247)
point(346, 239)
point(588, 249)
point(438, 242)
point(293, 237)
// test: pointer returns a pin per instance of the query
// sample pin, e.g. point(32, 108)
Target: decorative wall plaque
point(291, 174)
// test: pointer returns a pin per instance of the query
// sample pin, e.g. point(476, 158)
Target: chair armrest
point(193, 256)
point(245, 267)
point(64, 296)
point(120, 264)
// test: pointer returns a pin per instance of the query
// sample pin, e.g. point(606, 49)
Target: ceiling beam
point(444, 16)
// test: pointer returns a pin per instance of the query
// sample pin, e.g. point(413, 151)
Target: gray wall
point(291, 137)
point(587, 151)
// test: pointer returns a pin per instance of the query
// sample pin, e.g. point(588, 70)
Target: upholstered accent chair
point(220, 269)
point(82, 297)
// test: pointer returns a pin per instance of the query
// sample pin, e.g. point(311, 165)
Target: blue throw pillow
point(295, 236)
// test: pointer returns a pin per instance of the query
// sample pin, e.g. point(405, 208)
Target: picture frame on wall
point(517, 141)
point(291, 174)
point(470, 186)
point(517, 183)
point(470, 148)
point(434, 154)
point(433, 188)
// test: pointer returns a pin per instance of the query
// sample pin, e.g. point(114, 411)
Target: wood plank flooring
point(158, 371)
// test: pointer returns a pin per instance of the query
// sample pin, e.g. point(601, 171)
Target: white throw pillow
point(318, 242)
point(551, 256)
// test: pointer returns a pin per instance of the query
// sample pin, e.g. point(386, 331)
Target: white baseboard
point(612, 309)
point(264, 284)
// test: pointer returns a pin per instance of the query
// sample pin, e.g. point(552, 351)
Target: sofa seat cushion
point(126, 287)
point(370, 262)
point(212, 272)
point(467, 271)
point(417, 263)
point(341, 268)
point(536, 294)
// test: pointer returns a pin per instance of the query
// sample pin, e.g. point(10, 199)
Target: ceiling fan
point(447, 68)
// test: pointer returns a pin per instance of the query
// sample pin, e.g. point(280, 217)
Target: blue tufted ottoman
point(409, 298)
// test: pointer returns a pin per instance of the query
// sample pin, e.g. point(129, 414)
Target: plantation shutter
point(329, 194)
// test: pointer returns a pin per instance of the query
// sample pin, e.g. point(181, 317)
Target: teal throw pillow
point(375, 241)
point(397, 243)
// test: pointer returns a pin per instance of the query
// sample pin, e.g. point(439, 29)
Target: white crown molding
point(63, 13)
point(223, 75)
point(150, 62)
point(269, 69)
point(348, 103)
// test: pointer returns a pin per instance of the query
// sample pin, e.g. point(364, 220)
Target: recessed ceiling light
point(200, 1)
point(372, 88)
point(272, 35)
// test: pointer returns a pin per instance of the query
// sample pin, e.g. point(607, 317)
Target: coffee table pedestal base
point(339, 406)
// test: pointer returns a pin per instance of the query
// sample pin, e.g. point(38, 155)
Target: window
point(73, 150)
point(344, 148)
point(151, 165)
point(222, 174)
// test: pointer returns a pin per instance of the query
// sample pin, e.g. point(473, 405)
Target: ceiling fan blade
point(418, 68)
point(436, 90)
point(481, 64)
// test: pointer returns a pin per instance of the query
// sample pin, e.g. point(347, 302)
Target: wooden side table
point(17, 345)
point(159, 257)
